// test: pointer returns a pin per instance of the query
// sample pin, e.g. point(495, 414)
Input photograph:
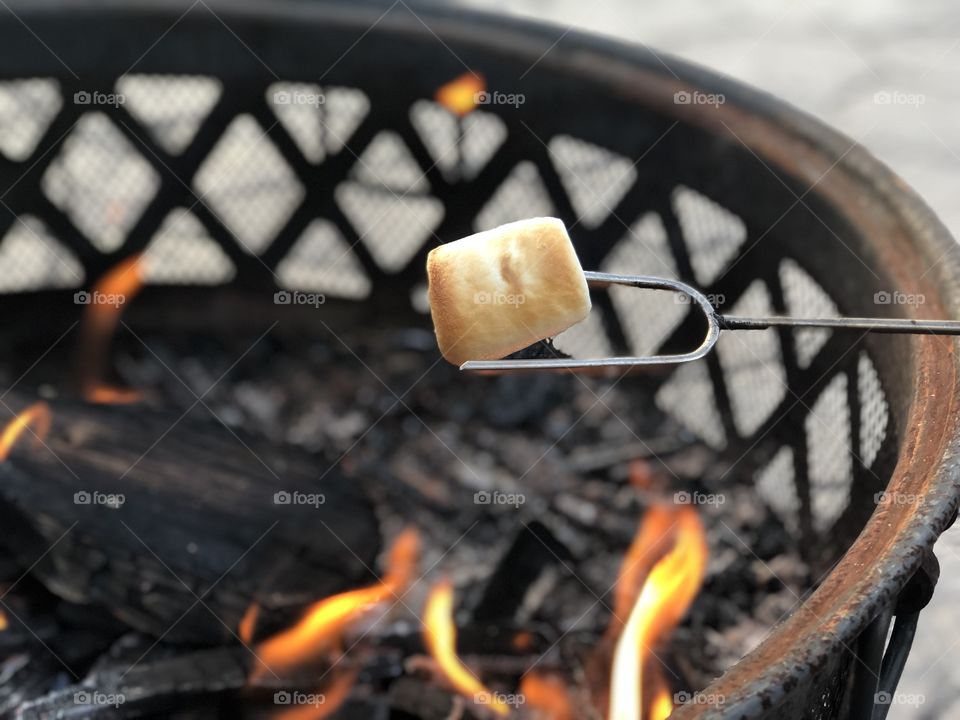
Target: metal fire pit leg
point(868, 667)
point(893, 662)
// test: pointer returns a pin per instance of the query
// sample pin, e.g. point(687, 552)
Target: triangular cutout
point(27, 107)
point(319, 119)
point(461, 147)
point(688, 396)
point(182, 252)
point(829, 460)
point(32, 259)
point(392, 229)
point(644, 250)
point(171, 107)
point(522, 195)
point(713, 234)
point(387, 162)
point(805, 298)
point(752, 363)
point(595, 178)
point(322, 261)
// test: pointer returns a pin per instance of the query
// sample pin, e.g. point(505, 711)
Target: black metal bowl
point(658, 167)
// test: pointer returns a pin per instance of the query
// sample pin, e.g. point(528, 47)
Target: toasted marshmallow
point(501, 290)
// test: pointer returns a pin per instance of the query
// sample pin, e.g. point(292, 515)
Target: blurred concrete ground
point(830, 59)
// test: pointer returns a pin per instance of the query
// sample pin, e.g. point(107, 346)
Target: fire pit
point(237, 480)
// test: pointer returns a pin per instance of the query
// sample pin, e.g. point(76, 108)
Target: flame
point(459, 96)
point(651, 542)
point(3, 621)
point(440, 635)
point(666, 595)
point(37, 415)
point(547, 693)
point(333, 697)
point(109, 296)
point(248, 624)
point(325, 621)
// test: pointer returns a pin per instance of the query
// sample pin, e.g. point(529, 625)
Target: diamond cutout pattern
point(322, 261)
point(32, 259)
point(713, 234)
point(183, 252)
point(320, 120)
point(100, 181)
point(171, 107)
point(595, 178)
point(248, 183)
point(27, 107)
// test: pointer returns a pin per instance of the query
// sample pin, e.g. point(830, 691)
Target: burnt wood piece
point(150, 688)
point(175, 523)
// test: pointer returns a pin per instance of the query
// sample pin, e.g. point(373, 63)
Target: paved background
point(830, 59)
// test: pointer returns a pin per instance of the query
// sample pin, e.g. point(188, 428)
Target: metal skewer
point(716, 322)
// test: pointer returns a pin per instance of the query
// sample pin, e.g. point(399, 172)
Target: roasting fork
point(716, 322)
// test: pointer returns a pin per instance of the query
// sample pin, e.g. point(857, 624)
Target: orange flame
point(547, 693)
point(326, 620)
point(248, 624)
point(651, 542)
point(3, 621)
point(459, 96)
point(333, 697)
point(107, 298)
point(37, 415)
point(440, 634)
point(666, 595)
